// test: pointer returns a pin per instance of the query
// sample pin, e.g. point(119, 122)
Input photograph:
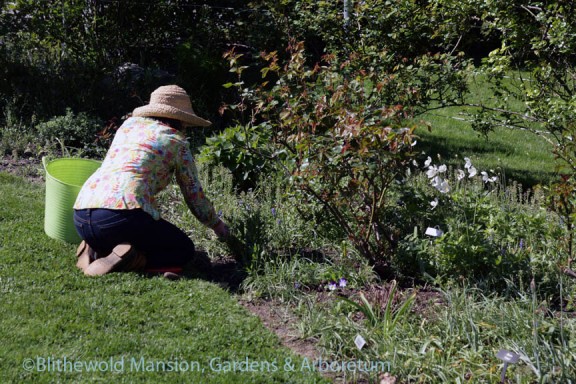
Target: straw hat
point(172, 102)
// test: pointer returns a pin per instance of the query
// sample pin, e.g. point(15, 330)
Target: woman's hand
point(221, 230)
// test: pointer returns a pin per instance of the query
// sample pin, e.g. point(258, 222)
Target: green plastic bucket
point(64, 178)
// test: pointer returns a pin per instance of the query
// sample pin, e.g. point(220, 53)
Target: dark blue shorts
point(164, 244)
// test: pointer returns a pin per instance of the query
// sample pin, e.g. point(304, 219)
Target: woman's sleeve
point(187, 178)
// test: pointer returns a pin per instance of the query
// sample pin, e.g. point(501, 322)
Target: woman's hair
point(176, 124)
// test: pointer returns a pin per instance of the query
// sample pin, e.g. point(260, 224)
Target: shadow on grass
point(225, 271)
point(230, 273)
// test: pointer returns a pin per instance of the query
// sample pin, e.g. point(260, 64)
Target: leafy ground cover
point(448, 329)
point(130, 328)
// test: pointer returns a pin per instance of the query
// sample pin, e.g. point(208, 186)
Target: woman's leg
point(164, 244)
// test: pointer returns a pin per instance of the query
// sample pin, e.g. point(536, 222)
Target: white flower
point(415, 163)
point(414, 143)
point(432, 171)
point(444, 187)
point(441, 184)
point(468, 163)
point(442, 168)
point(428, 162)
point(461, 174)
point(472, 171)
point(434, 203)
point(488, 179)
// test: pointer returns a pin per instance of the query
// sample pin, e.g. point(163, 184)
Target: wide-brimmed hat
point(172, 102)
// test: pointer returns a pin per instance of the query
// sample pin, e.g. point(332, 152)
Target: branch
point(530, 8)
point(456, 46)
point(567, 271)
point(505, 111)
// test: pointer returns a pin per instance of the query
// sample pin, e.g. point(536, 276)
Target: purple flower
point(220, 213)
point(342, 282)
point(332, 286)
point(273, 212)
point(297, 285)
point(521, 244)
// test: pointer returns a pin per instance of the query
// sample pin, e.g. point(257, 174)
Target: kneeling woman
point(116, 213)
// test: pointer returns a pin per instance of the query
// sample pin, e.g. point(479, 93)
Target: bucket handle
point(45, 163)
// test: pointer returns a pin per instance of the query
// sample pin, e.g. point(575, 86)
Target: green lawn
point(57, 324)
point(516, 154)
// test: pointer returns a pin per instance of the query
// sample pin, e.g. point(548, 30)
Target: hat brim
point(169, 112)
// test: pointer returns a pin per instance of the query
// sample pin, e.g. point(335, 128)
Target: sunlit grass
point(52, 311)
point(517, 154)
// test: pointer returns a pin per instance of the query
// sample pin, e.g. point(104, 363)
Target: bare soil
point(28, 167)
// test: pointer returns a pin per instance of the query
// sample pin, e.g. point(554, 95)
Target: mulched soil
point(28, 167)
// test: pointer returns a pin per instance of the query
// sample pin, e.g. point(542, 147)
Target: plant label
point(359, 341)
point(434, 232)
point(507, 356)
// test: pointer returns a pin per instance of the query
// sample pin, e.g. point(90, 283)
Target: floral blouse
point(140, 163)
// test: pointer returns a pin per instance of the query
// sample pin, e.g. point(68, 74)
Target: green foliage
point(338, 132)
point(538, 38)
point(384, 319)
point(73, 130)
point(16, 137)
point(71, 53)
point(490, 232)
point(450, 335)
point(239, 148)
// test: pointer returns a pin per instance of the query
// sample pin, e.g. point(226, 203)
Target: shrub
point(239, 148)
point(336, 138)
point(73, 130)
point(16, 137)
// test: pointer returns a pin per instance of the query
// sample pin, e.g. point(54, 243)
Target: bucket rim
point(46, 163)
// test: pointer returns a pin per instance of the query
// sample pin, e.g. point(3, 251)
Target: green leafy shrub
point(240, 149)
point(335, 139)
point(73, 130)
point(16, 137)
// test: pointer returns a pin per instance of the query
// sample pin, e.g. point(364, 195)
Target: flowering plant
point(483, 229)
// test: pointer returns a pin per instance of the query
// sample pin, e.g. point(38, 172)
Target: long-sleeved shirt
point(144, 155)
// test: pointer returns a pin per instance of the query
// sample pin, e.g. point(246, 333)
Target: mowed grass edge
point(60, 326)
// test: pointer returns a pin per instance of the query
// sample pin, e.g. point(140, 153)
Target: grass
point(123, 322)
point(517, 154)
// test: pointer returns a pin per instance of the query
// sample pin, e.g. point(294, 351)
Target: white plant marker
point(360, 342)
point(507, 357)
point(434, 232)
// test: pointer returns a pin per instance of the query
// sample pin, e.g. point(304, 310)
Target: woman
point(116, 213)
